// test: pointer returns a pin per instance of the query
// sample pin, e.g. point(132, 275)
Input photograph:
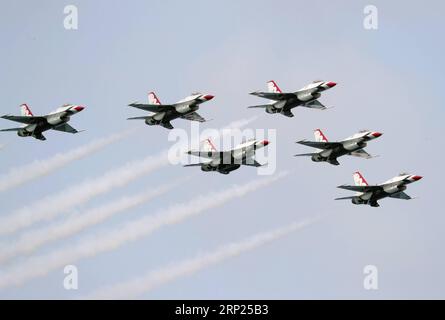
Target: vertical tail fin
point(359, 180)
point(25, 111)
point(273, 87)
point(207, 145)
point(319, 136)
point(153, 99)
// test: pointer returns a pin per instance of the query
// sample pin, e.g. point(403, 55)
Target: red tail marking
point(277, 88)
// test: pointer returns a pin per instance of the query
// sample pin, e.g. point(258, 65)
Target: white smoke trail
point(34, 239)
point(20, 175)
point(51, 206)
point(41, 265)
point(135, 287)
point(240, 123)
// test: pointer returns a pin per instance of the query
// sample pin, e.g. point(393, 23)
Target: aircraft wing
point(360, 188)
point(361, 154)
point(212, 154)
point(65, 127)
point(276, 96)
point(315, 104)
point(251, 162)
point(319, 145)
point(24, 119)
point(400, 195)
point(193, 116)
point(152, 107)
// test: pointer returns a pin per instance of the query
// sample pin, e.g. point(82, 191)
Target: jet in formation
point(226, 161)
point(366, 194)
point(283, 103)
point(164, 113)
point(330, 151)
point(36, 125)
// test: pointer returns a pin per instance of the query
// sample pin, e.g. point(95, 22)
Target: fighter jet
point(226, 161)
point(330, 151)
point(366, 194)
point(284, 102)
point(164, 113)
point(35, 125)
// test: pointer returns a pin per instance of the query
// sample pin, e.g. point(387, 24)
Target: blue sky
point(389, 80)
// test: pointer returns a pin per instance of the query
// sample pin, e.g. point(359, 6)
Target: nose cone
point(376, 134)
point(331, 84)
point(78, 108)
point(265, 142)
point(208, 97)
point(417, 178)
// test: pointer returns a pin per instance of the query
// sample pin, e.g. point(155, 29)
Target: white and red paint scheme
point(226, 161)
point(329, 151)
point(163, 113)
point(370, 194)
point(36, 125)
point(282, 102)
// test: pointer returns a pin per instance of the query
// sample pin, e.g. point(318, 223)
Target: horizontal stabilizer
point(345, 198)
point(12, 129)
point(139, 118)
point(260, 106)
point(195, 164)
point(305, 154)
